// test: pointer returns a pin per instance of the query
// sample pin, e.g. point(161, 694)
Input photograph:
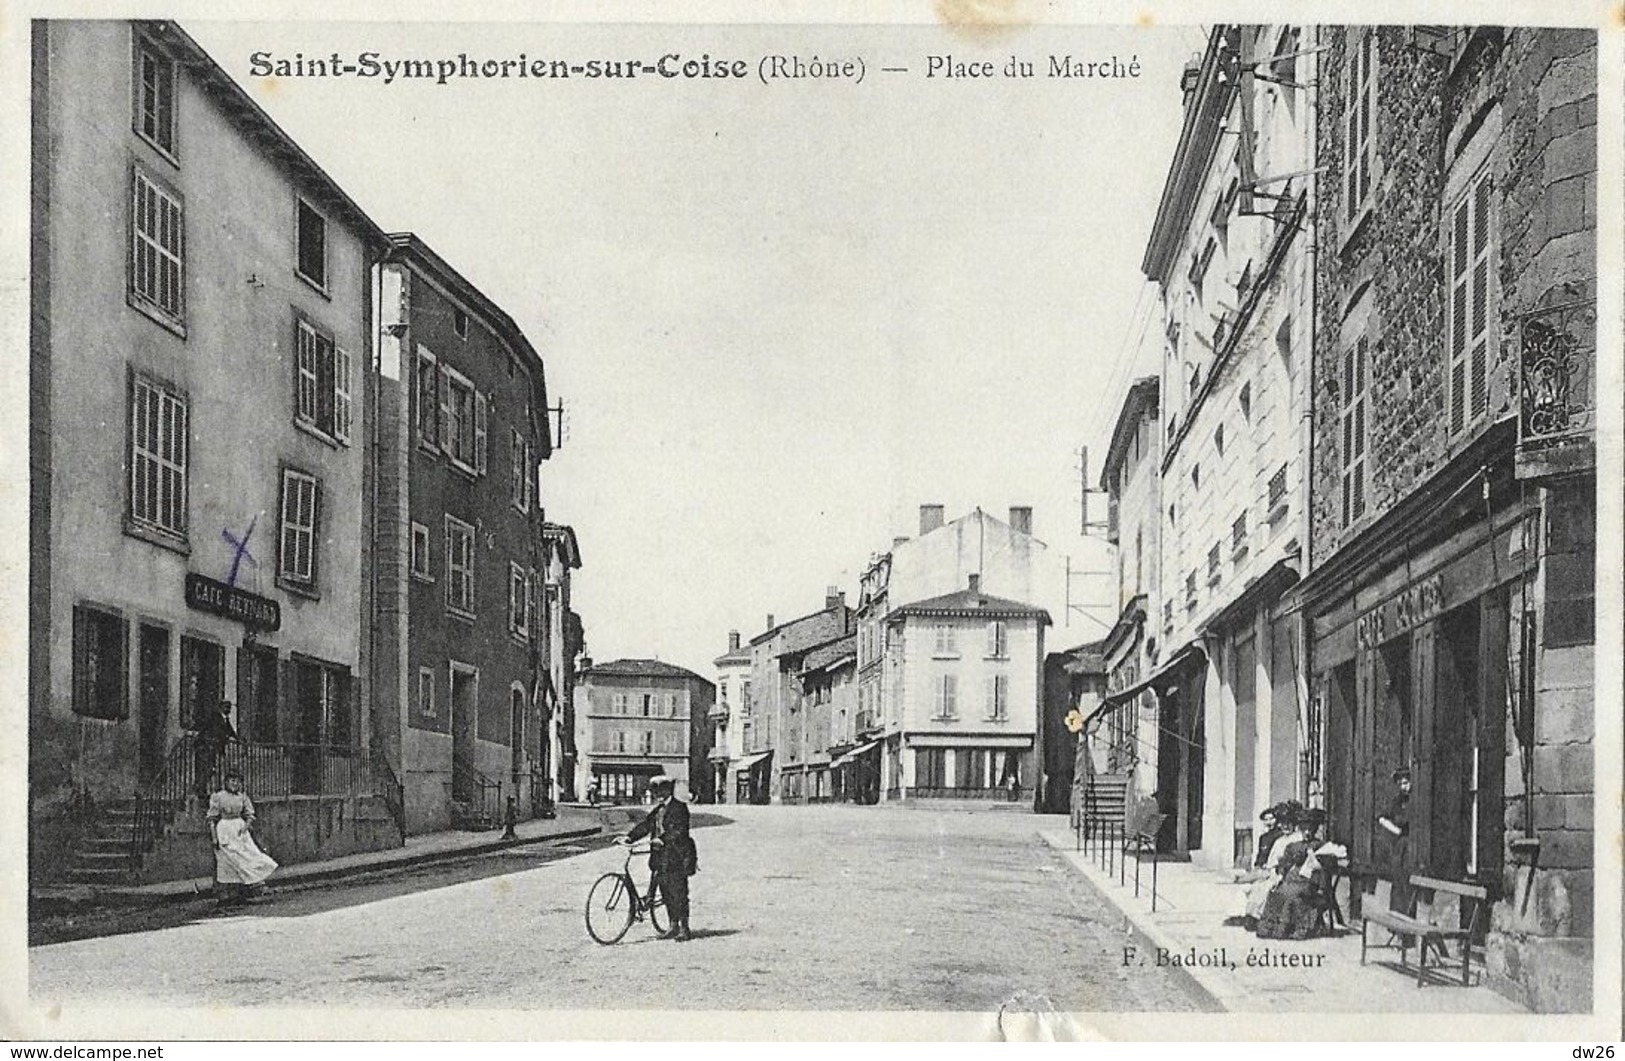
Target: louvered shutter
point(1479, 333)
point(1469, 322)
point(443, 425)
point(305, 384)
point(481, 437)
point(341, 394)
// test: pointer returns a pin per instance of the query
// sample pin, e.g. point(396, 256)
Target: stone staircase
point(102, 857)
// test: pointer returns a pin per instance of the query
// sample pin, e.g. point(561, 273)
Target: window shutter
point(481, 437)
point(305, 384)
point(443, 424)
point(1368, 103)
point(341, 394)
point(1478, 390)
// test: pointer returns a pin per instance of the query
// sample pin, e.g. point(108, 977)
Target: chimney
point(833, 598)
point(899, 540)
point(733, 640)
point(930, 518)
point(1021, 518)
point(976, 582)
point(770, 623)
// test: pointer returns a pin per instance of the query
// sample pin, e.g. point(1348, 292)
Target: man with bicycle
point(671, 850)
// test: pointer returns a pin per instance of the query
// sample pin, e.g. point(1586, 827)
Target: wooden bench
point(1424, 926)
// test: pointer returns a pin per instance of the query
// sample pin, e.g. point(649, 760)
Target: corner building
point(1451, 601)
point(199, 309)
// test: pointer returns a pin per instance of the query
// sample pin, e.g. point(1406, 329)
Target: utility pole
point(1088, 529)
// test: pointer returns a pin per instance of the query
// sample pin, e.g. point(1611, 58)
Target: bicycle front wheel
point(609, 908)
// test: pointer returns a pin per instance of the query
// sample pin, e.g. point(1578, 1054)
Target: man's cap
point(661, 781)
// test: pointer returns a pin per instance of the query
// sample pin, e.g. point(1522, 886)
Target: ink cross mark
point(239, 549)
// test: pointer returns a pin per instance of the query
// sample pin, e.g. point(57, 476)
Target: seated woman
point(1287, 818)
point(1292, 908)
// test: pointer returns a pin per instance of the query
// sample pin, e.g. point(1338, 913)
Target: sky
point(780, 317)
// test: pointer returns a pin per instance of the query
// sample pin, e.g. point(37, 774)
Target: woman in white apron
point(239, 864)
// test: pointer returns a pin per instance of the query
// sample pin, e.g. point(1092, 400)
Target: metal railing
point(478, 796)
point(157, 804)
point(389, 788)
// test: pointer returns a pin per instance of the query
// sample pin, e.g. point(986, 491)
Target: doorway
point(257, 694)
point(464, 708)
point(153, 719)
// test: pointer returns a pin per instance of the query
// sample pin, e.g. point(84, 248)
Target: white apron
point(238, 860)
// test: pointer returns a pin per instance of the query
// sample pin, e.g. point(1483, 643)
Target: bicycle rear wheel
point(610, 908)
point(657, 914)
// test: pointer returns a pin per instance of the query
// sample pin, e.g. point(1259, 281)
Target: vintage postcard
point(958, 519)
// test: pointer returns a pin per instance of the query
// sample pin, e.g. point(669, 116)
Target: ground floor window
point(931, 768)
point(621, 786)
point(203, 680)
point(100, 688)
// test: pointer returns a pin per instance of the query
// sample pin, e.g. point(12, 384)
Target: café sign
point(1411, 607)
point(250, 609)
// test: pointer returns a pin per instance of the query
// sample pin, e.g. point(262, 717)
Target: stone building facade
point(461, 553)
point(1450, 602)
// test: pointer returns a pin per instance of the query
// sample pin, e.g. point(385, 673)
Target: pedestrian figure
point(672, 855)
point(1395, 823)
point(240, 867)
point(214, 732)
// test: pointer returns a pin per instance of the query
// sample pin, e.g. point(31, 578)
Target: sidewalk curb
point(1143, 927)
point(134, 898)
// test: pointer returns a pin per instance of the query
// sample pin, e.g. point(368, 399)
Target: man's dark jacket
point(668, 822)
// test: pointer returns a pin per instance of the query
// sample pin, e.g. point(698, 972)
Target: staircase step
point(77, 875)
point(94, 859)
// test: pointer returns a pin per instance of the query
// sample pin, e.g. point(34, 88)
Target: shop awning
point(750, 761)
point(1189, 656)
point(855, 752)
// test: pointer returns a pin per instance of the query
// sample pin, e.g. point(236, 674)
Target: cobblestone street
point(830, 907)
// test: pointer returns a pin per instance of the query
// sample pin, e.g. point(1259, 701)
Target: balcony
point(1277, 502)
point(1558, 390)
point(719, 712)
point(1238, 538)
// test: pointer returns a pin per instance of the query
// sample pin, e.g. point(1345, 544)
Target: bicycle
point(613, 903)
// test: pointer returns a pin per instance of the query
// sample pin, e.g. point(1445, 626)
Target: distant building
point(563, 646)
point(1124, 735)
point(199, 339)
point(462, 553)
point(1074, 681)
point(966, 672)
point(644, 717)
point(730, 717)
point(1005, 559)
point(776, 739)
point(828, 702)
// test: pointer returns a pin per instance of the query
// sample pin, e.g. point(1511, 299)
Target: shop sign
point(252, 610)
point(1411, 607)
